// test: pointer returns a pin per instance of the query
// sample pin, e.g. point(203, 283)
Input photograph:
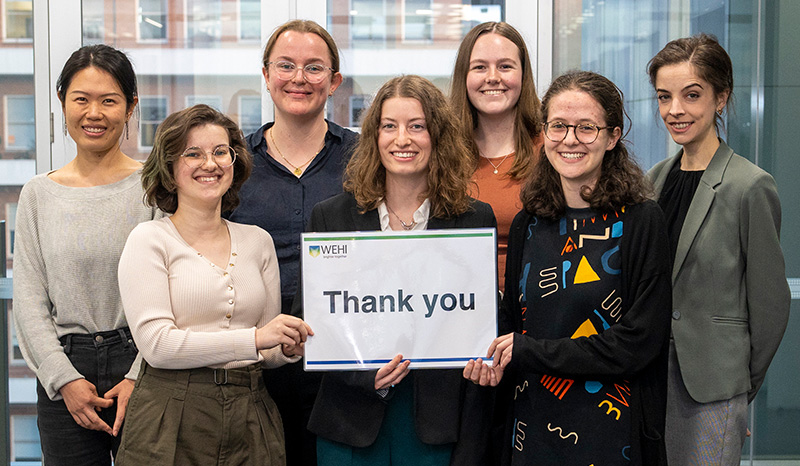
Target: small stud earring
point(719, 111)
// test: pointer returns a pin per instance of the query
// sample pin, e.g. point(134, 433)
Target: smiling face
point(688, 104)
point(403, 139)
point(95, 111)
point(297, 96)
point(494, 79)
point(578, 164)
point(207, 183)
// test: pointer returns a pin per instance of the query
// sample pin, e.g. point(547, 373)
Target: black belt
point(241, 376)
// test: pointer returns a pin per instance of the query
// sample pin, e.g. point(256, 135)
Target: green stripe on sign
point(355, 238)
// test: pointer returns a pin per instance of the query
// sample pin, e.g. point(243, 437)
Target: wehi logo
point(328, 250)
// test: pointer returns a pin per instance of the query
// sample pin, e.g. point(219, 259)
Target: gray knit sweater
point(66, 251)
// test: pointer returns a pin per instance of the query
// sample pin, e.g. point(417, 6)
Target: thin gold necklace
point(298, 169)
point(496, 167)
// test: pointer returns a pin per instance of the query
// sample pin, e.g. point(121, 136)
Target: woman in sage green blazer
point(730, 295)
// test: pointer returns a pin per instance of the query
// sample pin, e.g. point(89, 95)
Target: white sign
point(428, 295)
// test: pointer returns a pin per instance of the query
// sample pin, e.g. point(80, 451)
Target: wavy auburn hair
point(621, 181)
point(449, 165)
point(158, 176)
point(527, 124)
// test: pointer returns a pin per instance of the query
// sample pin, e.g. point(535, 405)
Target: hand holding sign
point(285, 330)
point(392, 373)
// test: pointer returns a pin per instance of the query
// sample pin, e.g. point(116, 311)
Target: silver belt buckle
point(224, 376)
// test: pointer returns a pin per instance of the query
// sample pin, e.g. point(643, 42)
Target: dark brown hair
point(158, 178)
point(103, 57)
point(709, 60)
point(621, 181)
point(527, 124)
point(304, 26)
point(449, 166)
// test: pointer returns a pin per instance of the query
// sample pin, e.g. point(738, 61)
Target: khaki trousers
point(201, 417)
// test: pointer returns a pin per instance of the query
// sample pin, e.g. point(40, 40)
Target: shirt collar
point(420, 216)
point(258, 142)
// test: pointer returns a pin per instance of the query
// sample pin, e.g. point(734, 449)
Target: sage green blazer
point(730, 296)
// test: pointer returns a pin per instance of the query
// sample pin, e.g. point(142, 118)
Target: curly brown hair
point(527, 125)
point(710, 61)
point(449, 167)
point(158, 178)
point(621, 180)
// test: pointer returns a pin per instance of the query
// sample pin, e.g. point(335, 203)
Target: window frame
point(160, 97)
point(7, 122)
point(239, 23)
point(15, 40)
point(139, 38)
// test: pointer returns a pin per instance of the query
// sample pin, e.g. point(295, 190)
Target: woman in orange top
point(494, 96)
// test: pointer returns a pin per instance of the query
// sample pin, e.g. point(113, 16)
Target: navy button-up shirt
point(274, 199)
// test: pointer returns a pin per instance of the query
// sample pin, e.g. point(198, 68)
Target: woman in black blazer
point(410, 171)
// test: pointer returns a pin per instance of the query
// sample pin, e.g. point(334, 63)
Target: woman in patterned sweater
point(585, 318)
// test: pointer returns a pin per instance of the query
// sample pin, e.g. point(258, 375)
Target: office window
point(204, 22)
point(418, 20)
point(15, 354)
point(20, 124)
point(213, 101)
point(18, 21)
point(93, 22)
point(153, 110)
point(368, 20)
point(250, 20)
point(11, 218)
point(380, 39)
point(358, 103)
point(25, 445)
point(249, 113)
point(152, 20)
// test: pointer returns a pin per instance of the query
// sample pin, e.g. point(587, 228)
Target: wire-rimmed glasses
point(313, 72)
point(585, 133)
point(223, 155)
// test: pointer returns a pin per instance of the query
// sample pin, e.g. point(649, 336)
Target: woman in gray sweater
point(72, 224)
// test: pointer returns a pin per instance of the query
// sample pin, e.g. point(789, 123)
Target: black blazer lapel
point(441, 223)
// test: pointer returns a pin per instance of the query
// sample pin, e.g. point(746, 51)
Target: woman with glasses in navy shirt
point(298, 161)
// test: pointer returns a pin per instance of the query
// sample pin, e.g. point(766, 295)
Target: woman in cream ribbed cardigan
point(202, 296)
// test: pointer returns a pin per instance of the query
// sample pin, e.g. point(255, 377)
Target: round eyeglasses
point(585, 133)
point(313, 72)
point(223, 155)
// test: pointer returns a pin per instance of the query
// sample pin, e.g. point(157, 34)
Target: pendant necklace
point(298, 169)
point(496, 167)
point(406, 226)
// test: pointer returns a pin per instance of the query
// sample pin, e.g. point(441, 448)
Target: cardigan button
point(676, 315)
